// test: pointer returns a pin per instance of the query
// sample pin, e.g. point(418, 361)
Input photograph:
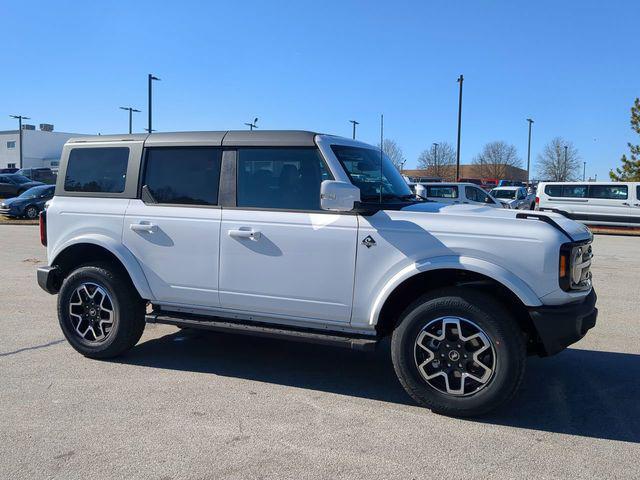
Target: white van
point(602, 203)
point(458, 193)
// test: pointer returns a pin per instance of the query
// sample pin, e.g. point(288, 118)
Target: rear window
point(183, 176)
point(98, 170)
point(443, 192)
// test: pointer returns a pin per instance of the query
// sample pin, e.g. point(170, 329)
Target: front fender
point(501, 275)
point(122, 253)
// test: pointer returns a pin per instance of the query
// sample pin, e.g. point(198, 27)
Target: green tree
point(630, 169)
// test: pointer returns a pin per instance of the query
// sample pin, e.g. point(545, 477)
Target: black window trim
point(143, 172)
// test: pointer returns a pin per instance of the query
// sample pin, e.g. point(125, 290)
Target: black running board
point(337, 339)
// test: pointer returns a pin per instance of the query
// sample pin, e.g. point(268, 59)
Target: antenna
point(381, 144)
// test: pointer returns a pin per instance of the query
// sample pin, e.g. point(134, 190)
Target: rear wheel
point(100, 312)
point(458, 352)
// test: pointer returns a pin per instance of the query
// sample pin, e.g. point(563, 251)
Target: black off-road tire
point(488, 314)
point(128, 308)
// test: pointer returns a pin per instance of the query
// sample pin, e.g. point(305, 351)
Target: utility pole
point(460, 81)
point(529, 153)
point(150, 80)
point(252, 125)
point(435, 154)
point(130, 110)
point(20, 118)
point(354, 127)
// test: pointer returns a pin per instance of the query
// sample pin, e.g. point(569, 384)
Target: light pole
point(435, 154)
point(130, 110)
point(460, 81)
point(584, 170)
point(150, 80)
point(252, 125)
point(354, 127)
point(20, 118)
point(529, 153)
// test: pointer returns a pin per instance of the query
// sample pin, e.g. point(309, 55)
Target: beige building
point(468, 171)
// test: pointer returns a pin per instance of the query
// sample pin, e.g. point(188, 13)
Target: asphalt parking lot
point(205, 405)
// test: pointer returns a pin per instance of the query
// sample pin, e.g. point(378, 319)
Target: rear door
point(609, 203)
point(173, 229)
point(280, 254)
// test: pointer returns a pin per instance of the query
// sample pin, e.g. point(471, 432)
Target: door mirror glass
point(338, 196)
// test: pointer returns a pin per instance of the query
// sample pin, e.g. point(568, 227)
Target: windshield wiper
point(389, 196)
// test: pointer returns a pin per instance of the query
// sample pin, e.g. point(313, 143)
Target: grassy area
point(13, 221)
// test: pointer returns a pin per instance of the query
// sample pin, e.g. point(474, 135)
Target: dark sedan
point(13, 184)
point(29, 203)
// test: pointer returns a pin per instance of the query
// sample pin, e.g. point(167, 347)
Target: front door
point(174, 229)
point(280, 255)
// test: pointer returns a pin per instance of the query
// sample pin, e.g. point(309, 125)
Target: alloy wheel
point(91, 312)
point(455, 356)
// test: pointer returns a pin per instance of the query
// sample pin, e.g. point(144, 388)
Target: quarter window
point(97, 170)
point(613, 192)
point(281, 178)
point(443, 192)
point(183, 176)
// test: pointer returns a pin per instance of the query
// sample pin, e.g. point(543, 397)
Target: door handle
point(250, 234)
point(626, 204)
point(143, 227)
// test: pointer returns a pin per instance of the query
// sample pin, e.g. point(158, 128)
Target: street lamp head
point(435, 144)
point(530, 120)
point(153, 77)
point(19, 117)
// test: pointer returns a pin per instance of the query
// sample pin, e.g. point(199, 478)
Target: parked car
point(602, 203)
point(41, 174)
point(12, 184)
point(301, 235)
point(516, 198)
point(461, 193)
point(29, 203)
point(8, 170)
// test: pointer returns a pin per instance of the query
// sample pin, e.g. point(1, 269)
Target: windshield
point(508, 194)
point(36, 192)
point(19, 179)
point(363, 167)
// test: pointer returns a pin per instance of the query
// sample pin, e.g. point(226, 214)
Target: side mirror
point(421, 190)
point(338, 196)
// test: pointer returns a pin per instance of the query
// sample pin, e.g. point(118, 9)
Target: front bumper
point(48, 279)
point(559, 326)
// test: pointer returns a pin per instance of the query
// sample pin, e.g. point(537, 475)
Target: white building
point(40, 148)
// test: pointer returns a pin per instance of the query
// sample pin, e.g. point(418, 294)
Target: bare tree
point(438, 161)
point(394, 152)
point(495, 158)
point(556, 165)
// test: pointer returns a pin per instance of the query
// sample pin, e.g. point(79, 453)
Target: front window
point(37, 192)
point(506, 194)
point(363, 167)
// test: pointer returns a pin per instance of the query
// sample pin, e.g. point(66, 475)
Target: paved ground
point(202, 405)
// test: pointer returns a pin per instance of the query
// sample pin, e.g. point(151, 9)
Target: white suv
point(309, 237)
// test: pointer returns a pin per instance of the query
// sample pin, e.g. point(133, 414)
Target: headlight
point(575, 266)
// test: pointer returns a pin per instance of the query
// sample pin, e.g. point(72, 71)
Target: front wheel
point(31, 212)
point(458, 352)
point(100, 312)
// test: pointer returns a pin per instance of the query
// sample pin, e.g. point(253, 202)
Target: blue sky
point(572, 66)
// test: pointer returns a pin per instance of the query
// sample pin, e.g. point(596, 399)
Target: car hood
point(11, 201)
point(574, 230)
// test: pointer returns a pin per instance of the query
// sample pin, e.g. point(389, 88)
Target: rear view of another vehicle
point(29, 203)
